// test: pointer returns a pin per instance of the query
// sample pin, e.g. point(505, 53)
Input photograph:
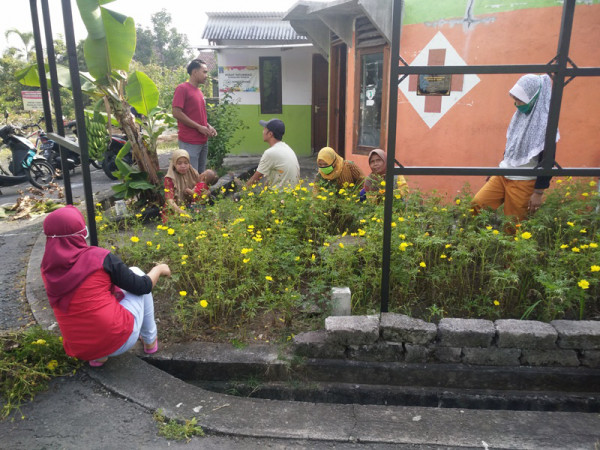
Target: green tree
point(161, 44)
point(26, 51)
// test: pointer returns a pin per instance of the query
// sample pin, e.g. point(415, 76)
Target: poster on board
point(238, 78)
point(32, 100)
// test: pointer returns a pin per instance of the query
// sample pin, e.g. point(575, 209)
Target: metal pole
point(39, 53)
point(562, 57)
point(391, 151)
point(57, 102)
point(80, 119)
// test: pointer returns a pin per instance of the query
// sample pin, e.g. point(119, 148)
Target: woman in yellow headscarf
point(334, 170)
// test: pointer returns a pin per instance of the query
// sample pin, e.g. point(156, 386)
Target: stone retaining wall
point(395, 337)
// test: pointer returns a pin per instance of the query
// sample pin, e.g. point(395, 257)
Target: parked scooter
point(51, 151)
point(108, 164)
point(25, 164)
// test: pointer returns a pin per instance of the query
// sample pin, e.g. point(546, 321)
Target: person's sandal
point(152, 349)
point(98, 362)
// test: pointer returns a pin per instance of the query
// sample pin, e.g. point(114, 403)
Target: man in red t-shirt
point(189, 108)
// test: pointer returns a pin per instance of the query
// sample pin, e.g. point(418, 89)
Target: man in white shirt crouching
point(278, 164)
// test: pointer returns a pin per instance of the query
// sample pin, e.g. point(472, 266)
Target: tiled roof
point(249, 26)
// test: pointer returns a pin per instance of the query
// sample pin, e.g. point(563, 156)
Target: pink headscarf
point(68, 260)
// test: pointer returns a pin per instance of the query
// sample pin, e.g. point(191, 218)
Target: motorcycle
point(25, 164)
point(51, 151)
point(108, 164)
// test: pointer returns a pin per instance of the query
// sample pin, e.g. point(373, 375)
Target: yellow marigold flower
point(495, 232)
point(402, 236)
point(595, 268)
point(448, 245)
point(149, 243)
point(325, 244)
point(583, 231)
point(246, 250)
point(341, 245)
point(584, 194)
point(382, 183)
point(170, 231)
point(312, 257)
point(341, 191)
point(268, 278)
point(571, 224)
point(52, 365)
point(360, 249)
point(393, 224)
point(184, 257)
point(443, 256)
point(39, 342)
point(99, 218)
point(245, 260)
point(135, 239)
point(183, 263)
point(225, 235)
point(575, 249)
point(363, 221)
point(403, 246)
point(400, 219)
point(583, 284)
point(559, 181)
point(203, 303)
point(166, 190)
point(138, 215)
point(361, 232)
point(593, 245)
point(526, 235)
point(458, 201)
point(182, 293)
point(496, 303)
point(585, 246)
point(564, 246)
point(157, 246)
point(297, 258)
point(180, 245)
point(422, 264)
point(489, 227)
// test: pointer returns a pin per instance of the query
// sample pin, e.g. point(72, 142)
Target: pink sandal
point(98, 362)
point(152, 349)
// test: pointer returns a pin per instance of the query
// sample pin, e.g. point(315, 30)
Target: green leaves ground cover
point(283, 251)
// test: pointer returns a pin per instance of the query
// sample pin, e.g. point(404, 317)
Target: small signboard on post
point(32, 100)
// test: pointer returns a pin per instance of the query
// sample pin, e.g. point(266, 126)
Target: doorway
point(337, 111)
point(320, 72)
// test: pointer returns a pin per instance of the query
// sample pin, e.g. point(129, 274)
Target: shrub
point(283, 251)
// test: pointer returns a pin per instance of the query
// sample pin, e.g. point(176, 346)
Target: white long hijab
point(526, 133)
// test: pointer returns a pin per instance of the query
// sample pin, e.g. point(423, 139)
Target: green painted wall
point(297, 119)
point(419, 11)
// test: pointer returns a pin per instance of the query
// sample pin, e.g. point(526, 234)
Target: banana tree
point(108, 51)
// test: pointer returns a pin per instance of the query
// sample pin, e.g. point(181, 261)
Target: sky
point(188, 16)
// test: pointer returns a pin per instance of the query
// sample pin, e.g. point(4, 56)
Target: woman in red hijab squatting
point(102, 306)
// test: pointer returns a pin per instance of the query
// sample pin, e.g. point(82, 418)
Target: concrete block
point(341, 301)
point(590, 358)
point(377, 352)
point(514, 333)
point(401, 328)
point(491, 356)
point(353, 330)
point(564, 358)
point(316, 344)
point(447, 354)
point(465, 333)
point(416, 353)
point(578, 334)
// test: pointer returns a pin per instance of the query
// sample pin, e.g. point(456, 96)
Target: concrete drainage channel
point(262, 372)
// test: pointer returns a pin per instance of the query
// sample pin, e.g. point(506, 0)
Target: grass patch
point(173, 430)
point(29, 359)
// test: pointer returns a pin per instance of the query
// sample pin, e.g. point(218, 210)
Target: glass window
point(371, 86)
point(270, 85)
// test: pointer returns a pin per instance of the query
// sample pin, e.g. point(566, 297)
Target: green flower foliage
point(29, 359)
point(282, 251)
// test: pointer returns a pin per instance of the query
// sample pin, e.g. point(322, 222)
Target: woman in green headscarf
point(335, 171)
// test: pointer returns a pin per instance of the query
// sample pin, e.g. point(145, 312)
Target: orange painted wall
point(473, 131)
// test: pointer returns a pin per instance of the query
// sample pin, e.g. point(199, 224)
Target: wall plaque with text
point(434, 84)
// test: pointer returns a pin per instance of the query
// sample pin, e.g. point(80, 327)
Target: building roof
point(268, 26)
